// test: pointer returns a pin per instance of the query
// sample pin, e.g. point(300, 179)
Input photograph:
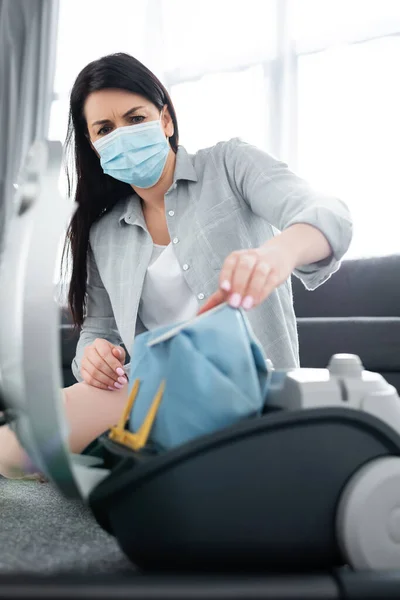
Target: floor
point(42, 532)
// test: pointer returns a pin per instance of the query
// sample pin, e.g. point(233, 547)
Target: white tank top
point(166, 297)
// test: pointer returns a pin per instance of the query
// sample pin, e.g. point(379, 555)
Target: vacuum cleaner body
point(313, 483)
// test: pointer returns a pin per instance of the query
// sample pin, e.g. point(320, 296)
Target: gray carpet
point(42, 532)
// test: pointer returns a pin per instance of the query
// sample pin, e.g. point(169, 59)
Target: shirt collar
point(131, 211)
point(184, 168)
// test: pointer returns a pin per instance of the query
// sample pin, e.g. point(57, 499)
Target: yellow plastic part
point(136, 441)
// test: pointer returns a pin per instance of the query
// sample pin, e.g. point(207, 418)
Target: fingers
point(100, 371)
point(246, 279)
point(227, 271)
point(242, 274)
point(119, 353)
point(243, 280)
point(257, 288)
point(104, 350)
point(100, 368)
point(249, 276)
point(98, 362)
point(235, 277)
point(90, 379)
point(93, 376)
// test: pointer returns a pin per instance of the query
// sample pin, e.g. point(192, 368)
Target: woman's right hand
point(102, 365)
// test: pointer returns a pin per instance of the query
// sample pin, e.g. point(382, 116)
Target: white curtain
point(28, 34)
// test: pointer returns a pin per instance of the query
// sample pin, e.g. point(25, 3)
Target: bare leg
point(89, 412)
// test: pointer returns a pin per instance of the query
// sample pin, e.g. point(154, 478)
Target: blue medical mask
point(134, 154)
point(214, 370)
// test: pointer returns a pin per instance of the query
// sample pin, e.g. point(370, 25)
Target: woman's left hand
point(248, 277)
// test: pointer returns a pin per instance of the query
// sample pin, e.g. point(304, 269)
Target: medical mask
point(202, 375)
point(134, 154)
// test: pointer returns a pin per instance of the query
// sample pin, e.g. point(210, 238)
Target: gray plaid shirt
point(228, 197)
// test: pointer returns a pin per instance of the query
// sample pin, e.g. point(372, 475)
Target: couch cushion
point(375, 340)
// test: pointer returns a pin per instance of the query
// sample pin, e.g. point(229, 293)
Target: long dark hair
point(97, 193)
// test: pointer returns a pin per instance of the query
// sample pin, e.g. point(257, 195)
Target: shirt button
point(175, 240)
point(185, 267)
point(171, 213)
point(200, 296)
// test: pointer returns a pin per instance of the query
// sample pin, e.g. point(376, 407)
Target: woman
point(161, 235)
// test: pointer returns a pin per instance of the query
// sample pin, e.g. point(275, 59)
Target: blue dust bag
point(195, 378)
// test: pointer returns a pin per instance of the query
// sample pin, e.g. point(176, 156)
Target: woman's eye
point(104, 130)
point(137, 119)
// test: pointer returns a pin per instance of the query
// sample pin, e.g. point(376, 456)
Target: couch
point(356, 311)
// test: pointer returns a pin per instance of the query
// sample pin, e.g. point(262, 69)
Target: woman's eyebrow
point(128, 112)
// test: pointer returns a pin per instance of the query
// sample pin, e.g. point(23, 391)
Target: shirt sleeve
point(99, 321)
point(284, 199)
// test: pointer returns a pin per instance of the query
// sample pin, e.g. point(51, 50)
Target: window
point(318, 24)
point(210, 35)
point(215, 52)
point(221, 106)
point(348, 135)
point(87, 30)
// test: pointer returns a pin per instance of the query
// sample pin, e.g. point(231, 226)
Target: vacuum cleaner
point(307, 482)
